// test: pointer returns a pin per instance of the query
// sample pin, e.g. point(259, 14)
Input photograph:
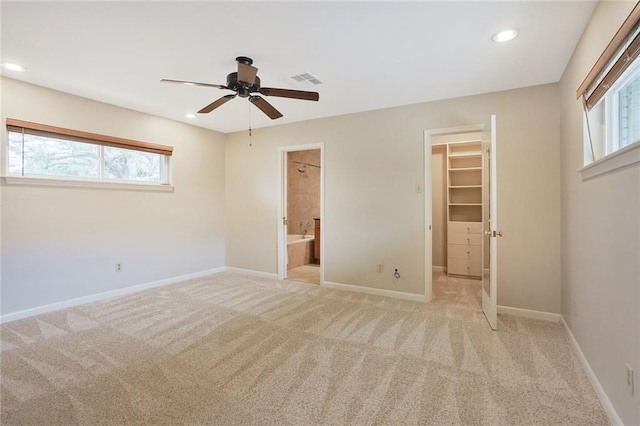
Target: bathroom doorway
point(300, 244)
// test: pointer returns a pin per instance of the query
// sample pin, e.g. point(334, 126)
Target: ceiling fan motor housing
point(243, 90)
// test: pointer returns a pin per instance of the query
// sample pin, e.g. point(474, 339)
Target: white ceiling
point(370, 55)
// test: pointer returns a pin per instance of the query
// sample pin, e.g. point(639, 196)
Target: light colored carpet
point(233, 349)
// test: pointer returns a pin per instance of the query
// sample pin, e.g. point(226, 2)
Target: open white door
point(490, 276)
point(282, 225)
point(428, 219)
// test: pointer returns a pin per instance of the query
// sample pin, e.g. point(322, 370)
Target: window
point(614, 122)
point(627, 107)
point(36, 150)
point(611, 99)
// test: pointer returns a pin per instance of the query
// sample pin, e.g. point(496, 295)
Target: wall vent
point(301, 78)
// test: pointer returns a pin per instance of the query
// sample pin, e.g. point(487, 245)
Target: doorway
point(300, 234)
point(441, 203)
point(460, 207)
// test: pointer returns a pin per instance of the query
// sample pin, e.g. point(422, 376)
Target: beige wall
point(303, 191)
point(372, 213)
point(62, 243)
point(600, 236)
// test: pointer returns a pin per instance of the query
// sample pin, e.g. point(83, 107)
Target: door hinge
point(285, 221)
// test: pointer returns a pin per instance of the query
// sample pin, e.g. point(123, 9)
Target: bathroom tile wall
point(303, 191)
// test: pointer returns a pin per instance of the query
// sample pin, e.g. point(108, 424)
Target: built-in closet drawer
point(465, 227)
point(459, 251)
point(465, 239)
point(464, 267)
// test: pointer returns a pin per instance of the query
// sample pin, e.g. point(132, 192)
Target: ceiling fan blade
point(193, 83)
point(247, 73)
point(288, 93)
point(265, 107)
point(213, 105)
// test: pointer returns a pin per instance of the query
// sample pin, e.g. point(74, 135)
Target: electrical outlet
point(380, 268)
point(118, 267)
point(630, 379)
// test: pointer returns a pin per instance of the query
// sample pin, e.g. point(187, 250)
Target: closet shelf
point(466, 155)
point(465, 169)
point(465, 186)
point(465, 204)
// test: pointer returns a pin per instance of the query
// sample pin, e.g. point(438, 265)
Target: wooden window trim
point(594, 79)
point(86, 137)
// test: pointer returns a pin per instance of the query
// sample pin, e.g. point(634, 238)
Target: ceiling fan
point(245, 82)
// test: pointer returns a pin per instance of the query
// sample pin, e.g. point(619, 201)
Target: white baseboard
point(339, 286)
point(251, 272)
point(101, 296)
point(375, 291)
point(614, 418)
point(529, 313)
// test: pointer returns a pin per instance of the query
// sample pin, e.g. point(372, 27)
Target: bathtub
point(299, 250)
point(297, 238)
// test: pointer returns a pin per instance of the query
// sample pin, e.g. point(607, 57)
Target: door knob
point(493, 233)
point(487, 233)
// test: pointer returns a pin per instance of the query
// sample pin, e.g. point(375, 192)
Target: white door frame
point(282, 207)
point(428, 200)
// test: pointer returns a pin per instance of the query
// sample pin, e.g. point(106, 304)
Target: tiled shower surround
point(303, 191)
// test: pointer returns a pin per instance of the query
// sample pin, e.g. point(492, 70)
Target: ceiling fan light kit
point(245, 82)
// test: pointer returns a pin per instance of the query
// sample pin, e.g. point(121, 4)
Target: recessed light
point(505, 35)
point(12, 67)
point(190, 115)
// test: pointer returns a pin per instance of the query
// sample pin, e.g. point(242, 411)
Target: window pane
point(50, 156)
point(629, 110)
point(127, 164)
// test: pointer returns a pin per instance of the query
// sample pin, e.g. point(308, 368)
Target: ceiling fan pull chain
point(250, 141)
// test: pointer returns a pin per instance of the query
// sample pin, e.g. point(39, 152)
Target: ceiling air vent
point(301, 78)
